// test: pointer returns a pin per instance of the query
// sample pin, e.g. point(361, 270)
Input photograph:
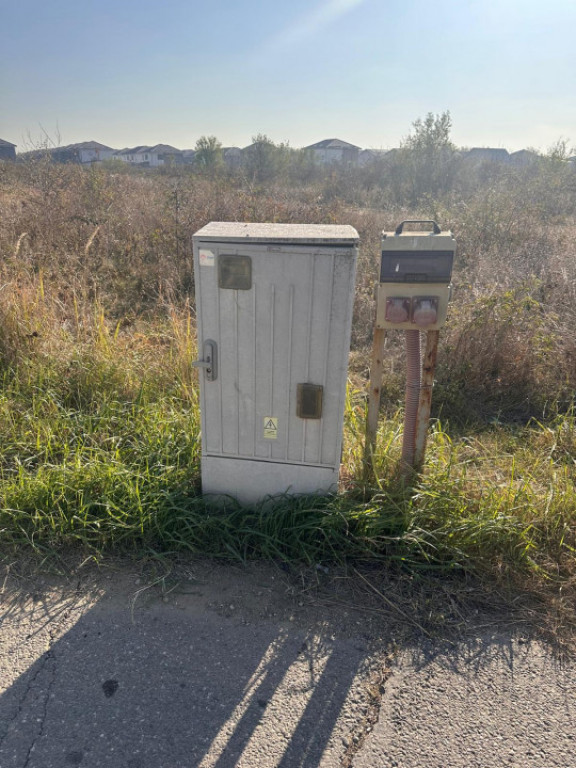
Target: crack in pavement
point(20, 706)
point(47, 657)
point(375, 688)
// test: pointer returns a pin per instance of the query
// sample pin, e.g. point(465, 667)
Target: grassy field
point(99, 422)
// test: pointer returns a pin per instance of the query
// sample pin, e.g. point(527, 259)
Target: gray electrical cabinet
point(274, 312)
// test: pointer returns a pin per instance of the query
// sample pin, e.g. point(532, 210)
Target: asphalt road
point(234, 668)
point(490, 702)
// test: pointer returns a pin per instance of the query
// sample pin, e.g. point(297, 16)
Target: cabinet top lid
point(280, 233)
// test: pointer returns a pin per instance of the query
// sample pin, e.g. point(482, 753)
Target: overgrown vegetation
point(99, 423)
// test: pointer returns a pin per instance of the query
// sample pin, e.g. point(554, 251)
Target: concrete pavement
point(489, 702)
point(224, 666)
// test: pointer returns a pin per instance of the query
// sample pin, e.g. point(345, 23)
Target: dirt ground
point(389, 605)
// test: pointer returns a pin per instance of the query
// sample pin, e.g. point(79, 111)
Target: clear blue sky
point(124, 72)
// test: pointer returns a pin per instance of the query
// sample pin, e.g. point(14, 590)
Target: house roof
point(133, 150)
point(6, 143)
point(89, 145)
point(82, 145)
point(491, 152)
point(145, 148)
point(523, 157)
point(332, 144)
point(256, 145)
point(163, 148)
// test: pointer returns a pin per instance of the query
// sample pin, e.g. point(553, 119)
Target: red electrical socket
point(397, 310)
point(424, 311)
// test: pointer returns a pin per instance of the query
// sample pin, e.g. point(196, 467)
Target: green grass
point(100, 449)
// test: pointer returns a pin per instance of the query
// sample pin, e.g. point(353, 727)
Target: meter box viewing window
point(274, 313)
point(415, 274)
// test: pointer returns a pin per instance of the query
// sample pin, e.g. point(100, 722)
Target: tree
point(430, 135)
point(560, 151)
point(266, 160)
point(208, 153)
point(260, 158)
point(428, 157)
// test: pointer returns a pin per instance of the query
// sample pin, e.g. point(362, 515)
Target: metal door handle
point(209, 361)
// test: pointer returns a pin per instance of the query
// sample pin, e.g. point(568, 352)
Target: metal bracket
point(209, 361)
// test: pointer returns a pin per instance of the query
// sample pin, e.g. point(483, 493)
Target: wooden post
point(423, 418)
point(376, 369)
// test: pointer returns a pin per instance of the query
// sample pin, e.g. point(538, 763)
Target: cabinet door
point(280, 319)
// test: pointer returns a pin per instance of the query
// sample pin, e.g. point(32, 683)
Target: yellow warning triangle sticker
point(270, 428)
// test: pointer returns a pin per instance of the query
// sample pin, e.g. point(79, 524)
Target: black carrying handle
point(400, 227)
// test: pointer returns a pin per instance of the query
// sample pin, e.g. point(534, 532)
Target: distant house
point(334, 151)
point(367, 156)
point(133, 155)
point(232, 156)
point(486, 155)
point(7, 150)
point(523, 157)
point(151, 157)
point(164, 154)
point(85, 152)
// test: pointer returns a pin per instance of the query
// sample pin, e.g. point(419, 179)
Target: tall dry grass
point(99, 417)
point(123, 241)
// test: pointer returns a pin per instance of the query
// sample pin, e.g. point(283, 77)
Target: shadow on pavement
point(171, 688)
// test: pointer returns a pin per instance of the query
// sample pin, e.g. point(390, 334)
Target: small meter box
point(415, 275)
point(274, 313)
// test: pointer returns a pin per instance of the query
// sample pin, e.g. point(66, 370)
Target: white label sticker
point(270, 427)
point(207, 258)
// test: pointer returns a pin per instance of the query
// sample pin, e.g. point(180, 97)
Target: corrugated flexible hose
point(413, 384)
